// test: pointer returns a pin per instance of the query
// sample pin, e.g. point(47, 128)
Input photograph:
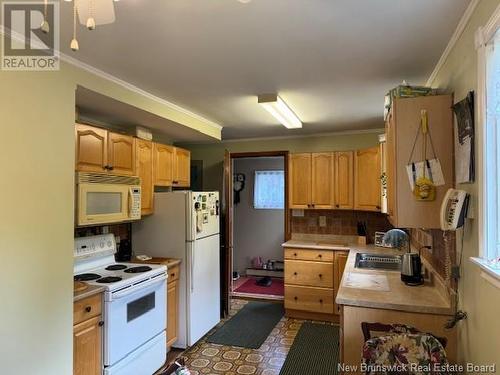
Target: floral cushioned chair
point(400, 349)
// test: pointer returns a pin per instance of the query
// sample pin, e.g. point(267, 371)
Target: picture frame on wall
point(464, 140)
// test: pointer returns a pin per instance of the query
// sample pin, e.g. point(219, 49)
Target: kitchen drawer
point(318, 300)
point(305, 254)
point(299, 272)
point(173, 274)
point(86, 308)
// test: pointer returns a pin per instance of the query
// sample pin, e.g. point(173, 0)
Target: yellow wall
point(213, 154)
point(37, 111)
point(479, 334)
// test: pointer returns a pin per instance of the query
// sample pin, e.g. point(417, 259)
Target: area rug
point(250, 327)
point(315, 350)
point(277, 287)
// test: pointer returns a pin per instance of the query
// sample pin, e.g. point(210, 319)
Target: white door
point(203, 287)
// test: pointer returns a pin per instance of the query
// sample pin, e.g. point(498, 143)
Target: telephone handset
point(454, 209)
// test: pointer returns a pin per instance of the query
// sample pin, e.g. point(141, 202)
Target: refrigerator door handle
point(192, 265)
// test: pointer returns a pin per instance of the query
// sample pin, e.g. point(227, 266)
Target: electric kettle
point(411, 269)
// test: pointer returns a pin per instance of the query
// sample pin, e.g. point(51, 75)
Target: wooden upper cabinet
point(322, 180)
point(87, 347)
point(163, 164)
point(91, 149)
point(182, 167)
point(144, 169)
point(401, 128)
point(121, 154)
point(300, 181)
point(344, 180)
point(367, 185)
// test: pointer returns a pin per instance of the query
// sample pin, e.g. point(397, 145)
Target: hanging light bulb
point(74, 43)
point(91, 20)
point(45, 24)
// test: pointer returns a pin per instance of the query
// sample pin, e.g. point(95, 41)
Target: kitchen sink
point(378, 261)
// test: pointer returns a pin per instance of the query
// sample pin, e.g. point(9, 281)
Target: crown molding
point(454, 38)
point(315, 135)
point(109, 77)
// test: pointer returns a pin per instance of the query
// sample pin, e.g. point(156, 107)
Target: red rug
point(277, 288)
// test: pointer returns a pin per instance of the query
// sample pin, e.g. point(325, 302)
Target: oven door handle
point(134, 288)
point(192, 265)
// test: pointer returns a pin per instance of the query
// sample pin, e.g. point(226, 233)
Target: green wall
point(37, 112)
point(479, 334)
point(212, 154)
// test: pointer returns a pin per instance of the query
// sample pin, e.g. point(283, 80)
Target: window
point(491, 165)
point(269, 190)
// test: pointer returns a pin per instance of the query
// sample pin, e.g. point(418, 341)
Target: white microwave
point(106, 199)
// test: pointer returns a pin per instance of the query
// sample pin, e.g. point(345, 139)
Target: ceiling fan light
point(74, 45)
point(280, 110)
point(90, 23)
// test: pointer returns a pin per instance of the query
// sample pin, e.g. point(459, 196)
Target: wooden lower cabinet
point(172, 306)
point(87, 336)
point(312, 279)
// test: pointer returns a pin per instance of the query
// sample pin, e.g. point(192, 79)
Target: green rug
point(250, 327)
point(315, 350)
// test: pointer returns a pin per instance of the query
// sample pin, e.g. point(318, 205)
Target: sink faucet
point(397, 238)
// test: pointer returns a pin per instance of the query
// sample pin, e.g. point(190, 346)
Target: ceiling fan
point(91, 13)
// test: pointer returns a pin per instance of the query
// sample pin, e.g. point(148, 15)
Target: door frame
point(229, 212)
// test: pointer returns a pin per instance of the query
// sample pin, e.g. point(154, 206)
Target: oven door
point(103, 203)
point(132, 317)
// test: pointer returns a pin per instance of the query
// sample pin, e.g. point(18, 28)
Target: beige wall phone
point(454, 209)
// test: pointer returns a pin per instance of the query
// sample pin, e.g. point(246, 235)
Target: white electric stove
point(134, 306)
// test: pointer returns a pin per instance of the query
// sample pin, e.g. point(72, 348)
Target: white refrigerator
point(185, 225)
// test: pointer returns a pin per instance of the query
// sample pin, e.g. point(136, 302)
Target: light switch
point(322, 221)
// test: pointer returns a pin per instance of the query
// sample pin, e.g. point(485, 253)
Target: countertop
point(89, 292)
point(169, 262)
point(393, 295)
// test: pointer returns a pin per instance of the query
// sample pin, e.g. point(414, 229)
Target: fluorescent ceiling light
point(278, 108)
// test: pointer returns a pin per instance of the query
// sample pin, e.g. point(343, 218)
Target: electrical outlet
point(298, 213)
point(425, 239)
point(322, 221)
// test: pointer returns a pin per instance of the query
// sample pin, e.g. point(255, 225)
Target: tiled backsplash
point(340, 223)
point(443, 252)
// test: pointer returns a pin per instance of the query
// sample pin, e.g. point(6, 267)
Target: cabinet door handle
point(378, 207)
point(320, 256)
point(320, 275)
point(337, 205)
point(101, 323)
point(175, 182)
point(111, 167)
point(88, 309)
point(295, 298)
point(320, 301)
point(294, 254)
point(172, 275)
point(295, 273)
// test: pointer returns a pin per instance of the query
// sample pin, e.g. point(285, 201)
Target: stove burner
point(109, 279)
point(138, 269)
point(86, 277)
point(116, 267)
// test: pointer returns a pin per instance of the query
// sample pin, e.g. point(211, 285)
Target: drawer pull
point(320, 256)
point(294, 254)
point(295, 298)
point(320, 301)
point(172, 275)
point(320, 275)
point(101, 323)
point(88, 309)
point(295, 273)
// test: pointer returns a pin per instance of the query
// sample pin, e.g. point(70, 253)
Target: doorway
point(258, 224)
